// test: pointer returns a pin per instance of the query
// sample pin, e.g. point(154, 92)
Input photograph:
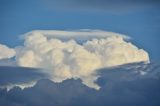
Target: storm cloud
point(64, 57)
point(75, 54)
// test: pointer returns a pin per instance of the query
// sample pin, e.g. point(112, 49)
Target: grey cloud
point(7, 62)
point(124, 86)
point(18, 76)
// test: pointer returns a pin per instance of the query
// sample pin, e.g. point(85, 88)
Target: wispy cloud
point(6, 52)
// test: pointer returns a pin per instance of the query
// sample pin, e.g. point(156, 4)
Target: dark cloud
point(124, 86)
point(7, 62)
point(18, 75)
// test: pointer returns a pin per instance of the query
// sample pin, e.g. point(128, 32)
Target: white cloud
point(6, 52)
point(64, 58)
point(21, 85)
point(83, 34)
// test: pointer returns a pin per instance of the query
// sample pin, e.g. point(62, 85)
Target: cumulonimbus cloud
point(65, 56)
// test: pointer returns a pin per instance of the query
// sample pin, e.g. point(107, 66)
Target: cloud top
point(82, 35)
point(63, 57)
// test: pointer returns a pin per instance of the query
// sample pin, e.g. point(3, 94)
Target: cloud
point(7, 62)
point(19, 76)
point(82, 34)
point(123, 85)
point(65, 57)
point(6, 52)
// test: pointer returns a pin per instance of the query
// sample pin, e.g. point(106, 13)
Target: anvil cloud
point(63, 56)
point(74, 54)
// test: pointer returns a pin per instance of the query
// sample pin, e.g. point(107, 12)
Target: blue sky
point(86, 80)
point(139, 19)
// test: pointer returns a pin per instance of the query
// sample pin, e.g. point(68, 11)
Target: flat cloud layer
point(6, 52)
point(83, 34)
point(120, 86)
point(19, 76)
point(64, 57)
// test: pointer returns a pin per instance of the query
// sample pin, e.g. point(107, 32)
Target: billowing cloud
point(6, 52)
point(65, 56)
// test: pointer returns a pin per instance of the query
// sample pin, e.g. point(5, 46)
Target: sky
point(79, 52)
point(139, 19)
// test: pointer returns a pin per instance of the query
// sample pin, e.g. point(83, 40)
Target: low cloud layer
point(65, 56)
point(6, 52)
point(19, 76)
point(120, 86)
